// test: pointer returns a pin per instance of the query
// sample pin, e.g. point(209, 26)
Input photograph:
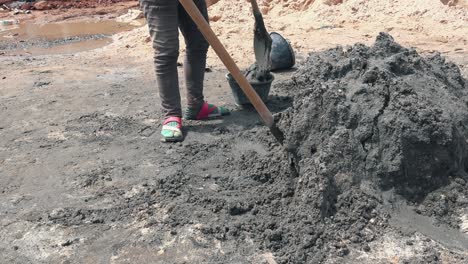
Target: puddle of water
point(28, 31)
point(58, 38)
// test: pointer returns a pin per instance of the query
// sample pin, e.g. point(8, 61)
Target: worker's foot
point(172, 129)
point(206, 111)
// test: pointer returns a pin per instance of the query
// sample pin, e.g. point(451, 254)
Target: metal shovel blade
point(262, 43)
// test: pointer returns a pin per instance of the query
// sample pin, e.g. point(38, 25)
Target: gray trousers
point(164, 17)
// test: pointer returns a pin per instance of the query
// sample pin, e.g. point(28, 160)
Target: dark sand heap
point(365, 121)
point(381, 114)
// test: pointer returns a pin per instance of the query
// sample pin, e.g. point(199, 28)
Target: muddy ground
point(85, 179)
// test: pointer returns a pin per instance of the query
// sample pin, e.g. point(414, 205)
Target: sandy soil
point(73, 13)
point(82, 167)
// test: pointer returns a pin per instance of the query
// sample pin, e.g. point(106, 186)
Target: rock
point(332, 2)
point(366, 248)
point(211, 2)
point(26, 6)
point(460, 181)
point(130, 16)
point(42, 5)
point(57, 214)
point(343, 252)
point(66, 243)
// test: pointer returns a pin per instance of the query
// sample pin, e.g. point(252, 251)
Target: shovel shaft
point(227, 60)
point(255, 8)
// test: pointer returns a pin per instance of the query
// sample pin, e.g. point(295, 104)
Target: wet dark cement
point(408, 220)
point(380, 117)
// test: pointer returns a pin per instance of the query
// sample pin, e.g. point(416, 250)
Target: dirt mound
point(366, 120)
point(286, 4)
point(382, 114)
point(293, 4)
point(343, 11)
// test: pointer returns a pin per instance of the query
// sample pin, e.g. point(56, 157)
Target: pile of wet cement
point(382, 114)
point(364, 120)
point(367, 120)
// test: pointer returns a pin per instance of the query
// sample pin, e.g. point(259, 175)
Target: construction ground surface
point(373, 169)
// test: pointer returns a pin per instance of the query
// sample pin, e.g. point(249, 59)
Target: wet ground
point(107, 144)
point(58, 38)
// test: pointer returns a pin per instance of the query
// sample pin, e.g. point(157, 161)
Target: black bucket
point(262, 89)
point(282, 54)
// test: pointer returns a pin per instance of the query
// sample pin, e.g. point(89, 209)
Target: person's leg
point(162, 18)
point(195, 64)
point(195, 59)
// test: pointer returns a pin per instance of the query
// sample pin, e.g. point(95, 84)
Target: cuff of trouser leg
point(195, 105)
point(173, 114)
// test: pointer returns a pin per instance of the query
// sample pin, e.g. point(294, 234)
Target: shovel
point(262, 44)
point(227, 60)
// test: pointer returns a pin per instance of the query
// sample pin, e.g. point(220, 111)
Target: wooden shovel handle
point(255, 8)
point(227, 60)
